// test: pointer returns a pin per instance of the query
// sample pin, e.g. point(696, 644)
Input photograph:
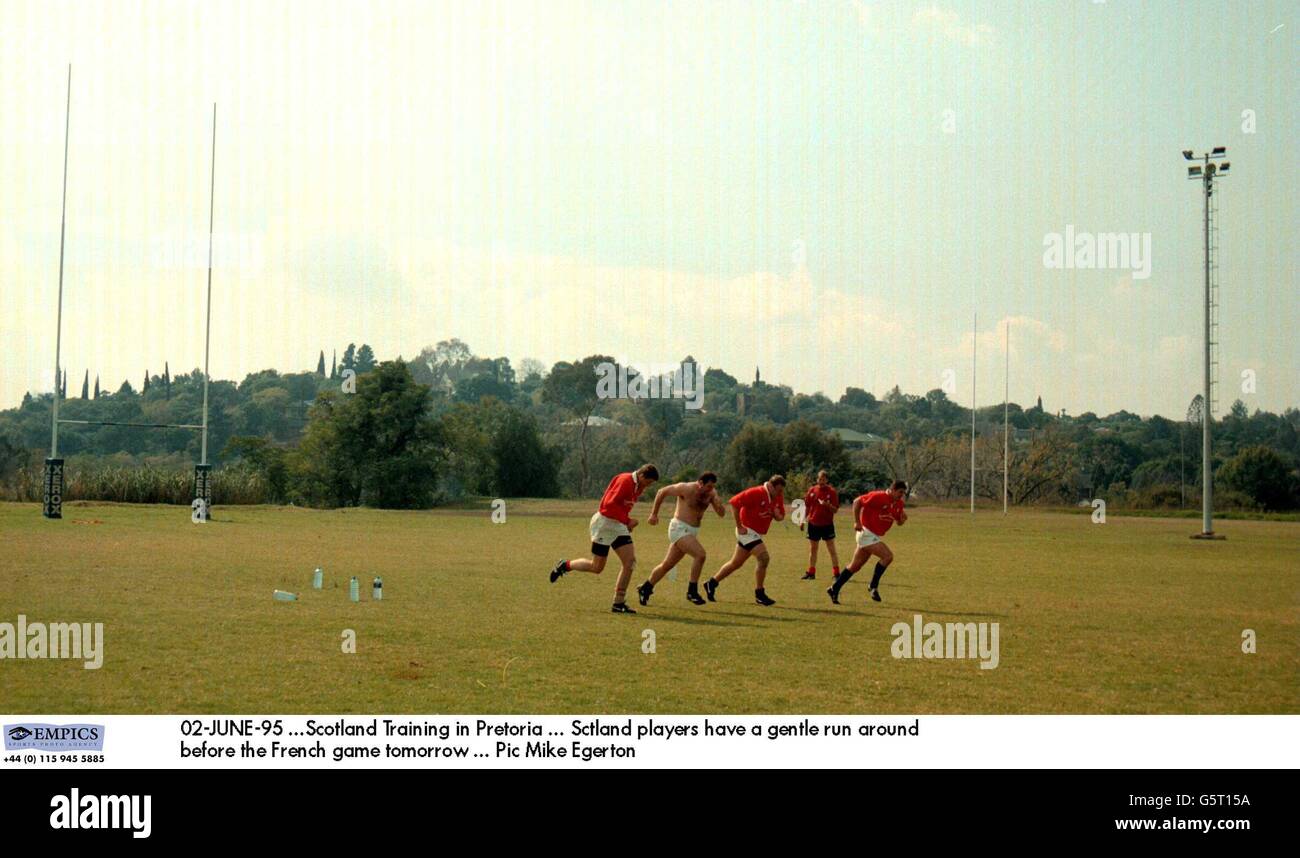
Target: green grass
point(1129, 616)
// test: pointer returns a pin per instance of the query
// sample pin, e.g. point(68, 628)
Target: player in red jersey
point(821, 502)
point(611, 527)
point(755, 510)
point(873, 514)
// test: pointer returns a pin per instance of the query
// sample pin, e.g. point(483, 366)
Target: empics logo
point(80, 641)
point(131, 812)
point(54, 737)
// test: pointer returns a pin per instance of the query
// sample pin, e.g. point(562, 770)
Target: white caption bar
point(500, 741)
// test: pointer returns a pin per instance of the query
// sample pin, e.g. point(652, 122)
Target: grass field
point(1128, 616)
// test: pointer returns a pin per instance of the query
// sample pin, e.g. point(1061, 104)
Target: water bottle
point(377, 592)
point(317, 579)
point(354, 590)
point(284, 596)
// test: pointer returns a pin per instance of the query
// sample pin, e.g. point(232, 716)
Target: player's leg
point(646, 590)
point(835, 557)
point(860, 557)
point(738, 558)
point(812, 556)
point(760, 575)
point(627, 557)
point(883, 558)
point(595, 563)
point(693, 548)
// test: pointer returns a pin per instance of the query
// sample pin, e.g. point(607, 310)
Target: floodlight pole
point(1207, 482)
point(1207, 172)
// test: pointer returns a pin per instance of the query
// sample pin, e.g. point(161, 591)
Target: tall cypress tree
point(85, 386)
point(145, 389)
point(167, 380)
point(334, 365)
point(97, 387)
point(320, 364)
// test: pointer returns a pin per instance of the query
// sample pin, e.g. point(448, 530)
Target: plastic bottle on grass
point(317, 579)
point(354, 589)
point(285, 596)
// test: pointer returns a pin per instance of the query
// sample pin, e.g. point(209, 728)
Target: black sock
point(875, 579)
point(758, 591)
point(845, 575)
point(648, 585)
point(693, 587)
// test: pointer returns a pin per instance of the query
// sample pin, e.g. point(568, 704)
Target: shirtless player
point(693, 500)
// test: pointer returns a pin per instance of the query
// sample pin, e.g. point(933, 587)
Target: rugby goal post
point(53, 490)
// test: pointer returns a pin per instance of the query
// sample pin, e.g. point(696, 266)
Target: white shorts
point(866, 538)
point(605, 530)
point(678, 528)
point(747, 537)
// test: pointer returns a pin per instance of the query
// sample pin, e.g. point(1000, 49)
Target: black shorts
point(821, 531)
point(603, 550)
point(751, 546)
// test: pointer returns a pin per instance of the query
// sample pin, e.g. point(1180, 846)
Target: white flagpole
point(1006, 421)
point(973, 358)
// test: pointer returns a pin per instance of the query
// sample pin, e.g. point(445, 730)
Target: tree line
point(449, 424)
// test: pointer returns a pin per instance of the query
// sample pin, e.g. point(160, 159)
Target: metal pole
point(1006, 422)
point(973, 358)
point(207, 333)
point(58, 330)
point(1207, 526)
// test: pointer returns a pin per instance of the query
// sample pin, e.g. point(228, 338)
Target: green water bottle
point(284, 596)
point(317, 579)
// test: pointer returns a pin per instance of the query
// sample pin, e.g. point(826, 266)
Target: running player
point(821, 502)
point(611, 527)
point(693, 500)
point(755, 510)
point(873, 514)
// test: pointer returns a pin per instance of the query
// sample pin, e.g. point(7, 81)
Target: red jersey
point(877, 511)
point(818, 514)
point(620, 496)
point(757, 508)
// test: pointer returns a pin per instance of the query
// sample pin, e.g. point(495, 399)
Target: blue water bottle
point(317, 579)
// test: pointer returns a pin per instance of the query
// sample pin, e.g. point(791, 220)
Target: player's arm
point(718, 506)
point(675, 490)
point(902, 516)
point(736, 502)
point(857, 507)
point(778, 509)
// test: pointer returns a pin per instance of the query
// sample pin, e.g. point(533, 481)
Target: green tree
point(320, 364)
point(524, 466)
point(365, 359)
point(756, 453)
point(1261, 473)
point(572, 387)
point(378, 447)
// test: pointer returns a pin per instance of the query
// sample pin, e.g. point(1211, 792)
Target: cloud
point(946, 24)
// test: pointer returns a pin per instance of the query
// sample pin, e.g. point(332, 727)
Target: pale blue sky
point(826, 189)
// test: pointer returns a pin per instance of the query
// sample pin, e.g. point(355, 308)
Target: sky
point(837, 193)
